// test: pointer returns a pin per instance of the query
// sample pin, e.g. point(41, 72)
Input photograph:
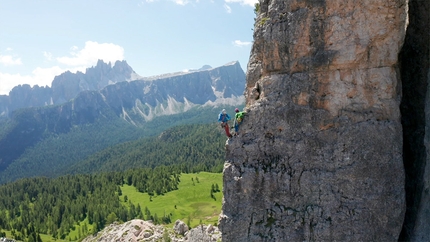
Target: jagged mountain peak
point(205, 67)
point(188, 71)
point(150, 97)
point(67, 86)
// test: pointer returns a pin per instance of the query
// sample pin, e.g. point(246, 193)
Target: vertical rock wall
point(319, 157)
point(414, 61)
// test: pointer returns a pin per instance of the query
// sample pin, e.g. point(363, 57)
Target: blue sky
point(40, 39)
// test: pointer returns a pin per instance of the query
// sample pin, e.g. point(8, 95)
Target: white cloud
point(181, 2)
point(243, 2)
point(227, 8)
point(45, 76)
point(40, 76)
point(92, 52)
point(8, 81)
point(8, 60)
point(47, 55)
point(240, 43)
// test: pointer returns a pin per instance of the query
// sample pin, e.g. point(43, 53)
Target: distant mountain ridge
point(207, 85)
point(146, 99)
point(66, 86)
point(96, 119)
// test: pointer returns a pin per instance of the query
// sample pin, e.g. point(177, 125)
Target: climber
point(238, 118)
point(223, 117)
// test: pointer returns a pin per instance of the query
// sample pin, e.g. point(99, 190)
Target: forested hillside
point(58, 152)
point(58, 206)
point(191, 148)
point(55, 206)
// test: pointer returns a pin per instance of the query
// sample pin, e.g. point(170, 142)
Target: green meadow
point(191, 203)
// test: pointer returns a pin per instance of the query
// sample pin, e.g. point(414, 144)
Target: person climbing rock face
point(238, 118)
point(223, 117)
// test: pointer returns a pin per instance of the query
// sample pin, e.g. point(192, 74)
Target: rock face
point(415, 108)
point(319, 157)
point(67, 85)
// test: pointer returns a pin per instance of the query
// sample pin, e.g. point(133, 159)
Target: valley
point(123, 149)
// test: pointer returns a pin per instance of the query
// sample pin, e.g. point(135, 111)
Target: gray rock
point(140, 230)
point(203, 233)
point(134, 230)
point(210, 228)
point(180, 227)
point(319, 157)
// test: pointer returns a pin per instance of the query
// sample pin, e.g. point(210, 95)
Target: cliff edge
point(319, 157)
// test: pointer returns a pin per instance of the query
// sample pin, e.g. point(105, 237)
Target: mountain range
point(83, 113)
point(206, 85)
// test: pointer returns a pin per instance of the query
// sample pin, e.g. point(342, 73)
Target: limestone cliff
point(319, 157)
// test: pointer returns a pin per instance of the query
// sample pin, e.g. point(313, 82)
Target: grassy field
point(191, 203)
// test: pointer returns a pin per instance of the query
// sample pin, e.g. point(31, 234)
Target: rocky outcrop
point(134, 230)
point(203, 233)
point(25, 96)
point(319, 157)
point(68, 85)
point(180, 227)
point(140, 230)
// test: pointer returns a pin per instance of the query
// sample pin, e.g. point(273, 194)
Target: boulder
point(180, 227)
